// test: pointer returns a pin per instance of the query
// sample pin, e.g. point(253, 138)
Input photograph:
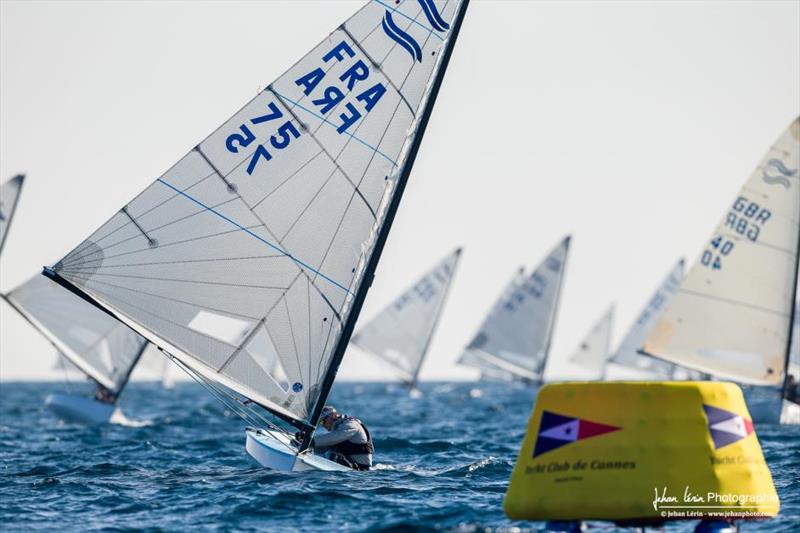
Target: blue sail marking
point(276, 248)
point(400, 37)
point(326, 121)
point(393, 9)
point(433, 16)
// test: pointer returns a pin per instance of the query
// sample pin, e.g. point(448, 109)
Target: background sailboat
point(276, 221)
point(588, 359)
point(401, 333)
point(9, 196)
point(515, 337)
point(732, 314)
point(93, 342)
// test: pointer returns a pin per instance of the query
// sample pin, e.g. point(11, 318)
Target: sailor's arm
point(343, 432)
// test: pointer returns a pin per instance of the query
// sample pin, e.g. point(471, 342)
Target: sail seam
point(276, 248)
point(733, 302)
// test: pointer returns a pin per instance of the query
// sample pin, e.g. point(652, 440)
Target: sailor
point(347, 442)
point(104, 395)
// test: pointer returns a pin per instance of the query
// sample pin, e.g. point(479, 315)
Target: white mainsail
point(627, 361)
point(401, 333)
point(275, 222)
point(515, 337)
point(93, 341)
point(593, 350)
point(9, 195)
point(731, 316)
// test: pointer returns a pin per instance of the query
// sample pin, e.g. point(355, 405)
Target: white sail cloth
point(516, 334)
point(401, 333)
point(270, 222)
point(731, 314)
point(627, 362)
point(96, 343)
point(592, 352)
point(9, 195)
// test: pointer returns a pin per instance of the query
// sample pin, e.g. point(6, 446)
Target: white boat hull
point(80, 409)
point(767, 407)
point(274, 450)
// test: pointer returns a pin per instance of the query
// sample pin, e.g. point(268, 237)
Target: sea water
point(443, 462)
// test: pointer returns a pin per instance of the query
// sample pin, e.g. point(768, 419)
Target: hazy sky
point(630, 125)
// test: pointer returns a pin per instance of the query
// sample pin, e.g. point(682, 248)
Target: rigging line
point(176, 280)
point(244, 343)
point(288, 178)
point(175, 300)
point(190, 261)
point(733, 302)
point(322, 147)
point(276, 248)
point(326, 121)
point(414, 21)
point(127, 239)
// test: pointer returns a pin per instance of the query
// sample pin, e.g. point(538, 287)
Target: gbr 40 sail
point(276, 221)
point(732, 314)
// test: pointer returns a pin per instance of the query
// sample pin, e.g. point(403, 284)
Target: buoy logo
point(726, 427)
point(557, 430)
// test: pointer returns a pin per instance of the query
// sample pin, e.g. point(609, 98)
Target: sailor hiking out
point(347, 441)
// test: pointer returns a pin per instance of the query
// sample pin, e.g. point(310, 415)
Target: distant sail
point(627, 354)
point(515, 337)
point(100, 346)
point(401, 333)
point(731, 316)
point(275, 222)
point(592, 352)
point(9, 194)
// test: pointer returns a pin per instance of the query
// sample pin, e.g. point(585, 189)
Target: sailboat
point(589, 358)
point(401, 333)
point(276, 222)
point(515, 337)
point(627, 363)
point(9, 197)
point(102, 349)
point(732, 314)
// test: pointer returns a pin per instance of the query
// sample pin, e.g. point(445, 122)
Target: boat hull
point(80, 409)
point(275, 451)
point(766, 406)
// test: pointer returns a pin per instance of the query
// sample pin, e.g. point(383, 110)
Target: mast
point(413, 382)
point(383, 233)
point(554, 315)
point(21, 179)
point(132, 366)
point(791, 317)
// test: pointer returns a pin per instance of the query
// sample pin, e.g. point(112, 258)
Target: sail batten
point(731, 316)
point(273, 224)
point(400, 334)
point(519, 327)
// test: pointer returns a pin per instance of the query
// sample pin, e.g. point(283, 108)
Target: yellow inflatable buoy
point(632, 451)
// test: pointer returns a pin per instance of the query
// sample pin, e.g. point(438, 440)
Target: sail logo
point(773, 179)
point(726, 427)
point(403, 38)
point(557, 430)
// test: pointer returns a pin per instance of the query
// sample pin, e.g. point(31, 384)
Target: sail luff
point(369, 273)
point(436, 320)
point(790, 336)
point(554, 314)
point(61, 347)
point(20, 179)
